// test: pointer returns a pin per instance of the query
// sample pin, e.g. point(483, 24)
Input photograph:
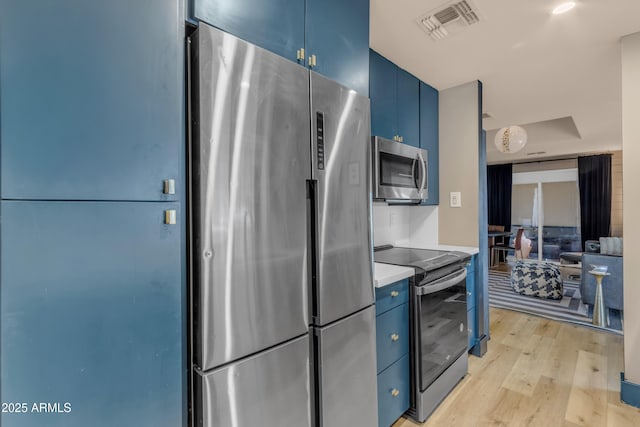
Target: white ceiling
point(534, 66)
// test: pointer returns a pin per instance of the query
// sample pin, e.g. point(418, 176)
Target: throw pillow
point(611, 246)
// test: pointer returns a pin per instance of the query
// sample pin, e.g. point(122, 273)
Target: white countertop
point(386, 274)
point(471, 250)
point(468, 249)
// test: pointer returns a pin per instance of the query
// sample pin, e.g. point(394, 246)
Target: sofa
point(608, 252)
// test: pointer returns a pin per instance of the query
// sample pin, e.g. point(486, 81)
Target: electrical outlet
point(455, 199)
point(393, 219)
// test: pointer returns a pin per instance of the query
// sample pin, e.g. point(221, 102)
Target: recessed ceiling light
point(564, 7)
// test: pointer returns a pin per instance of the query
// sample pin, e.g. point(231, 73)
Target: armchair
point(613, 284)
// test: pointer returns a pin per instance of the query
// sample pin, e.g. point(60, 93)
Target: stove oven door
point(441, 325)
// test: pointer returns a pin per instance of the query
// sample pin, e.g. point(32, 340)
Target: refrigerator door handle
point(312, 228)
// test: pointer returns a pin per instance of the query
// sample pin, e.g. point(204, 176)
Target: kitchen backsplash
point(413, 226)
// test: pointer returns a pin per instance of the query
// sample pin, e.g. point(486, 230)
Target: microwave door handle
point(414, 178)
point(423, 166)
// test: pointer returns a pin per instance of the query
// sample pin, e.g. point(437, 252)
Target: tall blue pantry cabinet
point(92, 262)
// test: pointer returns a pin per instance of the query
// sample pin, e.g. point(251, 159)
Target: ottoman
point(538, 280)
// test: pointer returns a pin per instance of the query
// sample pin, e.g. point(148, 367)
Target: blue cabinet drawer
point(392, 335)
point(391, 296)
point(393, 392)
point(471, 327)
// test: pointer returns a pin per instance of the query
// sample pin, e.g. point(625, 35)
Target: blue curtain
point(594, 181)
point(499, 182)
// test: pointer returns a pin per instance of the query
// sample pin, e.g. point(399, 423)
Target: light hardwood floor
point(539, 372)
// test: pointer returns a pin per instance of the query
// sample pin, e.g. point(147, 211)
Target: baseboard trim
point(629, 392)
point(481, 346)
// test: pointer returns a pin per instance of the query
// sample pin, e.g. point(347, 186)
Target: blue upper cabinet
point(395, 101)
point(429, 138)
point(91, 304)
point(276, 25)
point(91, 99)
point(334, 33)
point(383, 93)
point(338, 37)
point(408, 108)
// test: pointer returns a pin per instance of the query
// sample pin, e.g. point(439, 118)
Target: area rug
point(569, 309)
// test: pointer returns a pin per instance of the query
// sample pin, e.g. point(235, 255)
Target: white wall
point(630, 178)
point(391, 224)
point(423, 222)
point(458, 166)
point(413, 226)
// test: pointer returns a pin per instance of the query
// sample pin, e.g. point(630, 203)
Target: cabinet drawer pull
point(395, 392)
point(395, 337)
point(468, 293)
point(394, 294)
point(169, 186)
point(170, 217)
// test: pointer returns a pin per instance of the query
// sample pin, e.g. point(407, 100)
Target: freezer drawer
point(270, 389)
point(346, 371)
point(250, 168)
point(340, 158)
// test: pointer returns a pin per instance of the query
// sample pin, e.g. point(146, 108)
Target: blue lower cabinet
point(471, 301)
point(92, 320)
point(471, 284)
point(393, 392)
point(392, 350)
point(392, 335)
point(471, 327)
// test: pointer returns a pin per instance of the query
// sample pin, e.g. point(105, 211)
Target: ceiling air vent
point(448, 19)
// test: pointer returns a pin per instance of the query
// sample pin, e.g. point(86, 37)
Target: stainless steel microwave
point(399, 172)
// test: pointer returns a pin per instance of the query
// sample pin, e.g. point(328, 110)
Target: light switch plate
point(455, 199)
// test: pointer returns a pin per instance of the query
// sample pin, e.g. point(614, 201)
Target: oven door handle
point(444, 283)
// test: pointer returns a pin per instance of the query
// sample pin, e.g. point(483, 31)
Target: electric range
point(438, 322)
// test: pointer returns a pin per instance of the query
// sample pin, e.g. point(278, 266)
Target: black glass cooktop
point(425, 259)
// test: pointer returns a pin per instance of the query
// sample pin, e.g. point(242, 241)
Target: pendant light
point(510, 139)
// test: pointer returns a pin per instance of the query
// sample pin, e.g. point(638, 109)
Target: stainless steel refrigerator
point(283, 323)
